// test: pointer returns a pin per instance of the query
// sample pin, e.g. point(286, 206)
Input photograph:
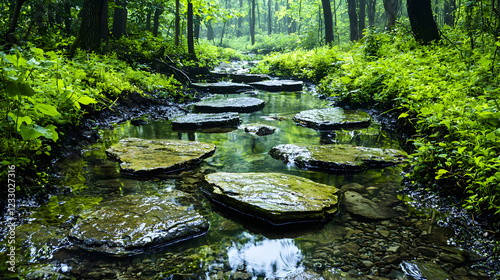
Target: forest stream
point(412, 243)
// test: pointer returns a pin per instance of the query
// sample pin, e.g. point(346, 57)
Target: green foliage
point(306, 64)
point(449, 95)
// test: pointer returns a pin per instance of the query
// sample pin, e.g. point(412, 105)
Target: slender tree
point(94, 26)
point(269, 18)
point(391, 8)
point(13, 21)
point(422, 22)
point(190, 31)
point(156, 19)
point(177, 20)
point(120, 19)
point(353, 19)
point(252, 22)
point(371, 5)
point(362, 18)
point(327, 14)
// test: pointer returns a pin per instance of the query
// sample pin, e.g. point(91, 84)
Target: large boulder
point(239, 104)
point(222, 87)
point(276, 198)
point(332, 118)
point(337, 157)
point(206, 120)
point(133, 224)
point(278, 85)
point(356, 204)
point(143, 157)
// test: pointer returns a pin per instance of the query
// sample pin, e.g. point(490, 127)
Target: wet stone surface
point(143, 157)
point(222, 87)
point(260, 129)
point(278, 85)
point(131, 224)
point(206, 120)
point(278, 198)
point(332, 118)
point(248, 78)
point(337, 157)
point(240, 104)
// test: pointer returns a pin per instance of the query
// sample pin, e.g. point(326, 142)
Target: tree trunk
point(210, 30)
point(190, 33)
point(371, 13)
point(13, 21)
point(327, 14)
point(391, 7)
point(269, 18)
point(67, 17)
point(177, 20)
point(422, 22)
point(252, 22)
point(148, 19)
point(240, 21)
point(156, 20)
point(120, 19)
point(449, 12)
point(353, 19)
point(362, 18)
point(197, 26)
point(93, 28)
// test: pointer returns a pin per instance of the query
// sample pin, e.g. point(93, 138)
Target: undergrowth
point(447, 92)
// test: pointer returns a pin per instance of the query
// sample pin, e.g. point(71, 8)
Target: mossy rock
point(191, 122)
point(143, 157)
point(239, 104)
point(274, 197)
point(332, 118)
point(337, 157)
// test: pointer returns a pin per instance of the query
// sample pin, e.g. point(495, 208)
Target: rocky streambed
point(265, 184)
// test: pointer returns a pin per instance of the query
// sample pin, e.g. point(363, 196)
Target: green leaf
point(33, 132)
point(86, 100)
point(345, 79)
point(403, 115)
point(19, 89)
point(47, 109)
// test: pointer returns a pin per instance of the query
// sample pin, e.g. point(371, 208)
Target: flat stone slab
point(144, 157)
point(337, 157)
point(274, 197)
point(332, 118)
point(222, 87)
point(133, 224)
point(239, 104)
point(249, 78)
point(206, 120)
point(278, 85)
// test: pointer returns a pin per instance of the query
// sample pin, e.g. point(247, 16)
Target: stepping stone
point(191, 122)
point(239, 104)
point(144, 157)
point(222, 87)
point(133, 224)
point(274, 197)
point(278, 85)
point(249, 78)
point(337, 157)
point(260, 129)
point(332, 118)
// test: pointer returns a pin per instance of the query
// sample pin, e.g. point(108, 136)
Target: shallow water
point(235, 247)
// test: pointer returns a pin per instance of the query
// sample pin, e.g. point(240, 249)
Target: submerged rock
point(332, 118)
point(260, 129)
point(278, 85)
point(222, 87)
point(240, 104)
point(142, 157)
point(277, 198)
point(133, 224)
point(358, 205)
point(424, 270)
point(337, 157)
point(202, 121)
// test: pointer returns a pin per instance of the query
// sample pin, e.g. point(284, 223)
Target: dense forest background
point(431, 65)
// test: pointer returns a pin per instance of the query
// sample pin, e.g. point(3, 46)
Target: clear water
point(232, 244)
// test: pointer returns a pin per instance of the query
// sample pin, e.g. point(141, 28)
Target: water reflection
point(268, 258)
